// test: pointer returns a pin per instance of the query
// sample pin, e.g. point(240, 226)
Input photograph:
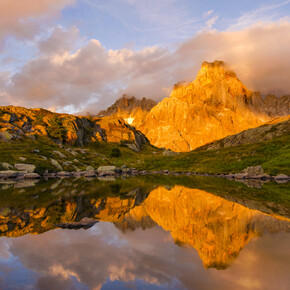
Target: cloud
point(22, 19)
point(93, 77)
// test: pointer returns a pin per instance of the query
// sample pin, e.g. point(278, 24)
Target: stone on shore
point(109, 168)
point(25, 167)
point(31, 176)
point(6, 166)
point(281, 177)
point(56, 164)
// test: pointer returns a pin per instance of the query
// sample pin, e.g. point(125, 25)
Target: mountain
point(210, 108)
point(18, 123)
point(132, 110)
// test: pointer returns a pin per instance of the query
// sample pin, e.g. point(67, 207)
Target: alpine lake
point(149, 232)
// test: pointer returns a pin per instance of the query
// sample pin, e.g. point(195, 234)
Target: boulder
point(109, 168)
point(169, 153)
point(59, 154)
point(25, 167)
point(31, 176)
point(90, 168)
point(64, 174)
point(253, 171)
point(6, 166)
point(56, 164)
point(9, 174)
point(281, 177)
point(22, 158)
point(90, 174)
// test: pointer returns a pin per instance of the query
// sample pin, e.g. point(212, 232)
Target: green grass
point(272, 155)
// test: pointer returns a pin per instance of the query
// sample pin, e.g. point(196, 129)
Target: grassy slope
point(272, 155)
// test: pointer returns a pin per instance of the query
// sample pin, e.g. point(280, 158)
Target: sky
point(81, 55)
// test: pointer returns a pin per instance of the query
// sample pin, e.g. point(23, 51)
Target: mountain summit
point(131, 109)
point(213, 106)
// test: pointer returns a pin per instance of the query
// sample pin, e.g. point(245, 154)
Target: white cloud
point(22, 18)
point(93, 77)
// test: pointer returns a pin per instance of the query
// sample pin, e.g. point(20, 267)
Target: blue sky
point(71, 55)
point(145, 23)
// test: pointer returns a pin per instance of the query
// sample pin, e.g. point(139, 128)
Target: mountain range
point(216, 104)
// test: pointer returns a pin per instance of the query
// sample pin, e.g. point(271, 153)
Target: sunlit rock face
point(131, 109)
point(213, 106)
point(218, 229)
point(210, 108)
point(18, 123)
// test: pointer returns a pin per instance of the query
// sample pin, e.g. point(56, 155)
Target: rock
point(35, 151)
point(123, 166)
point(43, 157)
point(109, 168)
point(90, 168)
point(84, 223)
point(64, 174)
point(22, 158)
point(56, 164)
point(59, 154)
point(31, 176)
point(76, 168)
point(281, 177)
point(76, 161)
point(25, 167)
point(169, 153)
point(253, 170)
point(9, 174)
point(6, 136)
point(67, 163)
point(240, 176)
point(90, 174)
point(6, 166)
point(133, 147)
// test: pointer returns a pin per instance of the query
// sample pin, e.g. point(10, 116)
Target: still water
point(144, 233)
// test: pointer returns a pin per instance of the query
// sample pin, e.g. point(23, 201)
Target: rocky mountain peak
point(126, 105)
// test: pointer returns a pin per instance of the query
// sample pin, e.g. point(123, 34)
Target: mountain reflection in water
point(148, 239)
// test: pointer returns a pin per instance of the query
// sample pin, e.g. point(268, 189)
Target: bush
point(115, 152)
point(55, 128)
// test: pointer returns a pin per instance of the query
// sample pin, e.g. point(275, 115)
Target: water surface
point(151, 233)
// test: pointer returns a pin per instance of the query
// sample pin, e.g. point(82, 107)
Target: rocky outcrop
point(213, 106)
point(18, 123)
point(277, 106)
point(131, 109)
point(275, 128)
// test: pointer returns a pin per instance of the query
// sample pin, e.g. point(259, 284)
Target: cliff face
point(213, 106)
point(210, 108)
point(132, 110)
point(18, 122)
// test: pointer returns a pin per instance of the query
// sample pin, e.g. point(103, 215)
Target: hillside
point(19, 123)
point(277, 127)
